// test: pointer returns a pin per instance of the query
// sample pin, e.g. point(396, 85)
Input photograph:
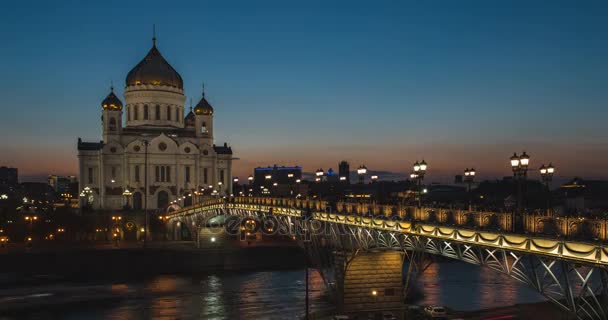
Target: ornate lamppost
point(127, 194)
point(361, 171)
point(469, 176)
point(418, 175)
point(519, 165)
point(319, 175)
point(546, 174)
point(290, 176)
point(235, 182)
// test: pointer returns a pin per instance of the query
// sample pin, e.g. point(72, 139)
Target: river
point(245, 295)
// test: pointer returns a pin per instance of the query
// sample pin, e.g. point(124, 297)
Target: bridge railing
point(577, 251)
point(566, 227)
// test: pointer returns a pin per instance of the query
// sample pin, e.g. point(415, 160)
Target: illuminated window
point(204, 128)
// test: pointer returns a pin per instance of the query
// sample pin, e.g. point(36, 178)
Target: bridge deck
point(595, 253)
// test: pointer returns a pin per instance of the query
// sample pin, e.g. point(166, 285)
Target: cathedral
point(155, 144)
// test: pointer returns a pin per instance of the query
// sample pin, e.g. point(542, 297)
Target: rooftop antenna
point(111, 85)
point(203, 89)
point(154, 35)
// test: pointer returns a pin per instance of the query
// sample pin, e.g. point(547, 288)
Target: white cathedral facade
point(175, 149)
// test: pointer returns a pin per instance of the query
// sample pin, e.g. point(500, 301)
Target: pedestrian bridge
point(565, 259)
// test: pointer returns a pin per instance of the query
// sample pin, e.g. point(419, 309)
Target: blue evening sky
point(384, 83)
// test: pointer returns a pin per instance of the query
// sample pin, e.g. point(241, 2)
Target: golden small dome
point(111, 102)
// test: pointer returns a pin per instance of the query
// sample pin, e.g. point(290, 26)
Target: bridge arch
point(578, 285)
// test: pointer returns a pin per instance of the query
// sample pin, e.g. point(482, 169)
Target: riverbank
point(106, 262)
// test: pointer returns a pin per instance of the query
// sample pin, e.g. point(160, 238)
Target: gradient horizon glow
point(460, 84)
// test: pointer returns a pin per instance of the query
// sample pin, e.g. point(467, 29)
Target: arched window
point(135, 112)
point(169, 113)
point(204, 128)
point(112, 124)
point(145, 112)
point(162, 199)
point(157, 112)
point(137, 201)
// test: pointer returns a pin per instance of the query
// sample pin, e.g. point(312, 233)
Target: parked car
point(435, 311)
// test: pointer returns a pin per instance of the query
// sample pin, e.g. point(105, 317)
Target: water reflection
point(464, 286)
point(269, 295)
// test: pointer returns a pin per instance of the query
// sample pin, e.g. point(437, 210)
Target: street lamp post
point(546, 174)
point(418, 174)
point(469, 176)
point(361, 171)
point(519, 165)
point(235, 182)
point(290, 177)
point(146, 222)
point(319, 175)
point(30, 220)
point(127, 194)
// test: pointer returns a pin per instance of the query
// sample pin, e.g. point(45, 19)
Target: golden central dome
point(154, 70)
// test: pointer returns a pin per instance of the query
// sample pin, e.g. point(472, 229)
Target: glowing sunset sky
point(459, 84)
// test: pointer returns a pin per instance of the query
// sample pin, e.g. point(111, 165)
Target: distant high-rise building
point(344, 171)
point(281, 175)
point(9, 176)
point(61, 184)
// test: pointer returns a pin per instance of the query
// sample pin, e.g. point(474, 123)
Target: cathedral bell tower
point(204, 119)
point(111, 117)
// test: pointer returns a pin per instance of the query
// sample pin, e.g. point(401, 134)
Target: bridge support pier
point(373, 281)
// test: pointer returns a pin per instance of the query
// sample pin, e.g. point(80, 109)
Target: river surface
point(246, 295)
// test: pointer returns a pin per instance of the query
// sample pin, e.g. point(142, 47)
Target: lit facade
point(175, 149)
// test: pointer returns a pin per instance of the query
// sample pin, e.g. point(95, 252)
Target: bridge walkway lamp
point(290, 177)
point(519, 165)
point(235, 185)
point(418, 175)
point(250, 180)
point(469, 176)
point(361, 172)
point(318, 179)
point(546, 175)
point(267, 182)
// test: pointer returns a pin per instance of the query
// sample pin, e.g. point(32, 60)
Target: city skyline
point(313, 85)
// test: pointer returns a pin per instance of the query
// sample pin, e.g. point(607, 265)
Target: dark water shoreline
point(30, 268)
